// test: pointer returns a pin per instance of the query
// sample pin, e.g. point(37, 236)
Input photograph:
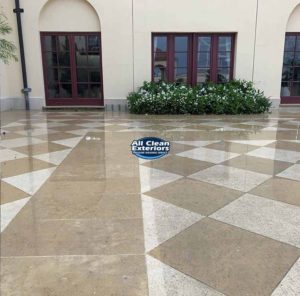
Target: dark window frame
point(192, 54)
point(75, 100)
point(290, 99)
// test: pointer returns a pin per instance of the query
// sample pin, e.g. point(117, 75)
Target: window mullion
point(214, 58)
point(171, 57)
point(73, 65)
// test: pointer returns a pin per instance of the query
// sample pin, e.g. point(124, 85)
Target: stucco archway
point(293, 24)
point(69, 16)
point(71, 52)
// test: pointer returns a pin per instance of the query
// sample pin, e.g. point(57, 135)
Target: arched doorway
point(290, 83)
point(71, 50)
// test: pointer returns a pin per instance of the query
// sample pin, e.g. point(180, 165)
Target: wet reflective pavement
point(81, 215)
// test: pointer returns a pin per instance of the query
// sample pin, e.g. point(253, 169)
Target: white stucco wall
point(293, 24)
point(193, 16)
point(126, 37)
point(73, 15)
point(273, 16)
point(10, 75)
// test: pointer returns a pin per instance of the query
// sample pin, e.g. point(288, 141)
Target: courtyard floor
point(82, 216)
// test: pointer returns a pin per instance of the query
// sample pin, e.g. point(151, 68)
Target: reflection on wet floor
point(81, 215)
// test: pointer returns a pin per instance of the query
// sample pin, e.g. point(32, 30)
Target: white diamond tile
point(71, 142)
point(276, 154)
point(196, 143)
point(10, 210)
point(30, 182)
point(6, 155)
point(293, 172)
point(231, 177)
point(209, 155)
point(290, 285)
point(163, 221)
point(53, 157)
point(152, 178)
point(274, 219)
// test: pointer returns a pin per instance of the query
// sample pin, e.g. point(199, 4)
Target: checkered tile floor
point(80, 215)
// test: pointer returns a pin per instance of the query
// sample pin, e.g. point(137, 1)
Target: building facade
point(93, 53)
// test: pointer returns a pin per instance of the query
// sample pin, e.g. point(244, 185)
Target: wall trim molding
point(37, 103)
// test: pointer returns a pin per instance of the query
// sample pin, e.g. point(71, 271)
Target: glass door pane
point(203, 59)
point(57, 58)
point(224, 58)
point(87, 59)
point(160, 58)
point(181, 55)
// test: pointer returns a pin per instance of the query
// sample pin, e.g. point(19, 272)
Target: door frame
point(71, 101)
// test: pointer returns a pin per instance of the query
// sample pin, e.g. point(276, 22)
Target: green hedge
point(234, 97)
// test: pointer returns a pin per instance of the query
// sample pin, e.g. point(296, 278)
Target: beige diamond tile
point(25, 236)
point(21, 127)
point(163, 280)
point(258, 164)
point(285, 145)
point(49, 204)
point(231, 260)
point(18, 142)
point(178, 165)
point(280, 189)
point(66, 128)
point(6, 135)
point(74, 275)
point(196, 196)
point(23, 165)
point(177, 148)
point(10, 193)
point(56, 136)
point(36, 132)
point(41, 148)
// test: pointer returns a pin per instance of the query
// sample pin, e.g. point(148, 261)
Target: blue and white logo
point(150, 148)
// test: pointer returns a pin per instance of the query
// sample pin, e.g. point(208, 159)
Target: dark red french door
point(72, 68)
